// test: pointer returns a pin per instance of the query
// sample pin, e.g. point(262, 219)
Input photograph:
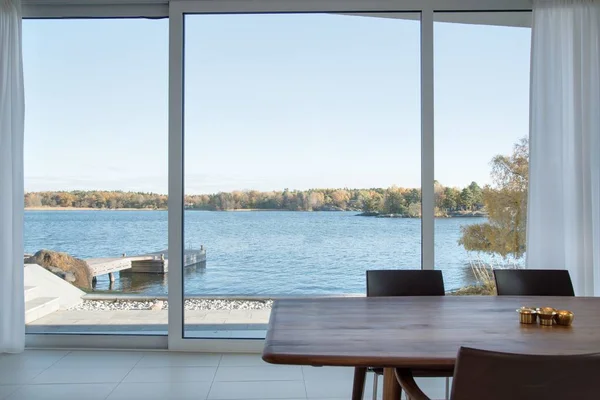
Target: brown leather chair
point(391, 283)
point(533, 282)
point(490, 375)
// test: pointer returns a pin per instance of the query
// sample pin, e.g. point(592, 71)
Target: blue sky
point(271, 102)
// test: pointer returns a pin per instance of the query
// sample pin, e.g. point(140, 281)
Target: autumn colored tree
point(340, 198)
point(33, 200)
point(414, 210)
point(506, 204)
point(316, 200)
point(439, 195)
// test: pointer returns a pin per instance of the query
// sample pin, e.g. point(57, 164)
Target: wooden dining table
point(421, 333)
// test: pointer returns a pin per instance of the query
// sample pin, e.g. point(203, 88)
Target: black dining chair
point(533, 282)
point(491, 375)
point(391, 283)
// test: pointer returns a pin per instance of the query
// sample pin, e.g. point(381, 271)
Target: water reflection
point(465, 275)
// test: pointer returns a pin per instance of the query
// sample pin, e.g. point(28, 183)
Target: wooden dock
point(151, 263)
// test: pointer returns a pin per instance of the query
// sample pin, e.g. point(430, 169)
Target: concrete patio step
point(40, 307)
point(31, 292)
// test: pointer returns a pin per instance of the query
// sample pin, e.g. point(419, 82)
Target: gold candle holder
point(564, 317)
point(527, 315)
point(546, 315)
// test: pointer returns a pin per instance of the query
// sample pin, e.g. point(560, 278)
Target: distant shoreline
point(398, 216)
point(90, 209)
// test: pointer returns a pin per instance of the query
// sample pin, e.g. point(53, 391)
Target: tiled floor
point(111, 375)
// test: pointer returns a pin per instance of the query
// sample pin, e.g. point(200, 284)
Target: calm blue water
point(255, 253)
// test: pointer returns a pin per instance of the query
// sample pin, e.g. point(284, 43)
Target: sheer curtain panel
point(563, 228)
point(12, 308)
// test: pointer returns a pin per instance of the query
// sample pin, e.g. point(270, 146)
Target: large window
point(481, 155)
point(267, 129)
point(95, 172)
point(295, 124)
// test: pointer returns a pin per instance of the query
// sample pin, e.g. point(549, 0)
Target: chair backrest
point(405, 283)
point(489, 375)
point(533, 282)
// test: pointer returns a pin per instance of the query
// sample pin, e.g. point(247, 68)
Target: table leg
point(391, 388)
point(358, 388)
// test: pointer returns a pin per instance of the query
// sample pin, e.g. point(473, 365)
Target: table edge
point(273, 357)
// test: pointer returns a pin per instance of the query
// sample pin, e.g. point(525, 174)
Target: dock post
point(111, 276)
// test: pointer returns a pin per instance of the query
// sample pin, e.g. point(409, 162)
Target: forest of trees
point(393, 200)
point(96, 199)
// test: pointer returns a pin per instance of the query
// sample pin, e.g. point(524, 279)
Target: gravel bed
point(192, 304)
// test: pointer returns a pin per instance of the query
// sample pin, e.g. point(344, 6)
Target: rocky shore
point(462, 214)
point(157, 305)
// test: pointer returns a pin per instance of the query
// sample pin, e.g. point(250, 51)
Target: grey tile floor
point(124, 375)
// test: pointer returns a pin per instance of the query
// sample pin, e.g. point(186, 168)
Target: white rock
point(190, 304)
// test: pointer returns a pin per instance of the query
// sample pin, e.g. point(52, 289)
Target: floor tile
point(82, 359)
point(18, 376)
point(32, 359)
point(259, 373)
point(161, 391)
point(257, 390)
point(171, 374)
point(433, 387)
point(316, 389)
point(165, 375)
point(242, 360)
point(85, 374)
point(329, 373)
point(63, 392)
point(7, 390)
point(168, 359)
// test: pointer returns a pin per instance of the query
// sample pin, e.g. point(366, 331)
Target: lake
point(256, 253)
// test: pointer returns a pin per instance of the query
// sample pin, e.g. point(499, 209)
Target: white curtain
point(12, 309)
point(563, 230)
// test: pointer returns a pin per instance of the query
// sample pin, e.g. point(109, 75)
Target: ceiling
point(510, 18)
